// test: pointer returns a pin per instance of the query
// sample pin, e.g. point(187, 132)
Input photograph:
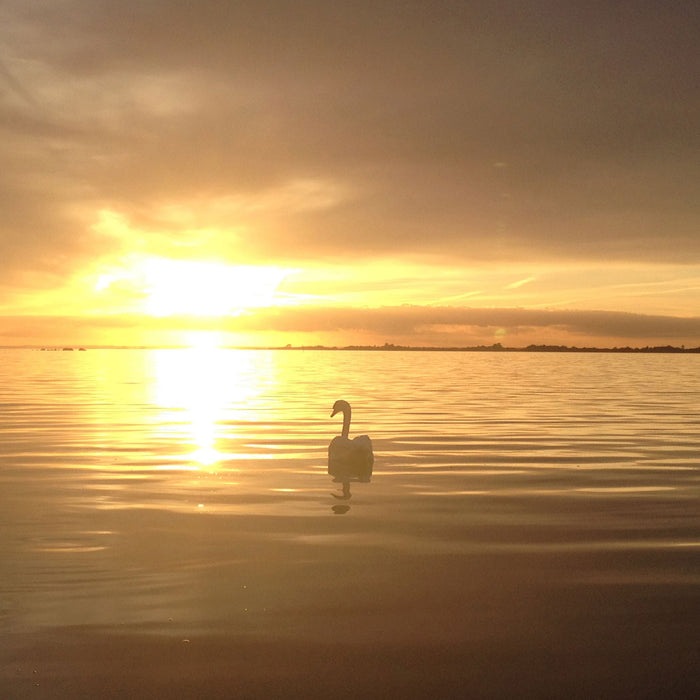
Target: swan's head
point(340, 406)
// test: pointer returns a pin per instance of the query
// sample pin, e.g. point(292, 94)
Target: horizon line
point(386, 347)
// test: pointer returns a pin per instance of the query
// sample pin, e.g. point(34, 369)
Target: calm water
point(532, 523)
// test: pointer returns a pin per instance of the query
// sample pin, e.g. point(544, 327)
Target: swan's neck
point(346, 422)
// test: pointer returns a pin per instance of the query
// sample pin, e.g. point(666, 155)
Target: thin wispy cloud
point(520, 283)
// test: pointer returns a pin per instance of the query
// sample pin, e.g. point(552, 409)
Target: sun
point(183, 287)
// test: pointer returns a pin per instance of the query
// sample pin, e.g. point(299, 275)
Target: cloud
point(404, 108)
point(407, 320)
point(412, 325)
point(520, 283)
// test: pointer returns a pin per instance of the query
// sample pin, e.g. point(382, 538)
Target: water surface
point(531, 524)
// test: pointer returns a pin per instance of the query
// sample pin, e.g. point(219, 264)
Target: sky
point(367, 172)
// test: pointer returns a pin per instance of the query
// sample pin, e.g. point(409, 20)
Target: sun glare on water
point(202, 392)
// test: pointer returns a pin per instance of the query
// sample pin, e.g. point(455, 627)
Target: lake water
point(168, 527)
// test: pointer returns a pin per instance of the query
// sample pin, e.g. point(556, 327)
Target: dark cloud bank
point(407, 320)
point(390, 323)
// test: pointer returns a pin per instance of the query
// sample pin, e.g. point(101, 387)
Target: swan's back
point(350, 460)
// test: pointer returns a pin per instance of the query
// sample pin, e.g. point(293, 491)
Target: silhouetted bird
point(349, 460)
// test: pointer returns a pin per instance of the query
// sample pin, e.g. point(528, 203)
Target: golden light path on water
point(196, 389)
point(220, 409)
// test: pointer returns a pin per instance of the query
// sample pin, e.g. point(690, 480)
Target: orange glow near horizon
point(141, 299)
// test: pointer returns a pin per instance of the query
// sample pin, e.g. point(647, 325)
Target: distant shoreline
point(387, 347)
point(499, 348)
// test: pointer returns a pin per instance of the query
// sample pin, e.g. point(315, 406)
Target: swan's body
point(349, 460)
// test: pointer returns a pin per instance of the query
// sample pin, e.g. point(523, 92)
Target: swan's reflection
point(348, 460)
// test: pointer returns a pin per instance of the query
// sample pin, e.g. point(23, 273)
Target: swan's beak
point(334, 412)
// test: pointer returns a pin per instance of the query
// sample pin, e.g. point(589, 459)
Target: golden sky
point(423, 173)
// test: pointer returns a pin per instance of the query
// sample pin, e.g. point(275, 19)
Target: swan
point(349, 460)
